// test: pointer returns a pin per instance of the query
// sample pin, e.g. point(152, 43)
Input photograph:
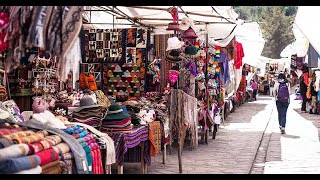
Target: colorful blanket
point(51, 168)
point(13, 165)
point(124, 141)
point(14, 151)
point(5, 142)
point(47, 156)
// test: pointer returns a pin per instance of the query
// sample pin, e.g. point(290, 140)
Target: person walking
point(271, 84)
point(255, 88)
point(303, 93)
point(281, 93)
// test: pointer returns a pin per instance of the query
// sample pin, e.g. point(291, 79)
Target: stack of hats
point(174, 46)
point(88, 113)
point(188, 27)
point(116, 120)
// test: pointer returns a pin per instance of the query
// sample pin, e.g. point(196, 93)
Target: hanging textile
point(183, 116)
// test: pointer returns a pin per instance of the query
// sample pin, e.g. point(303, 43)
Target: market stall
point(102, 91)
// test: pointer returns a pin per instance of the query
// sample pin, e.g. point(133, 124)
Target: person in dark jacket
point(303, 93)
point(314, 95)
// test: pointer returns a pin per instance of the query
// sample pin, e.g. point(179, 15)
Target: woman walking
point(281, 93)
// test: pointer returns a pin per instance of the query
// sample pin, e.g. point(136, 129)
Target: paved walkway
point(299, 150)
point(232, 151)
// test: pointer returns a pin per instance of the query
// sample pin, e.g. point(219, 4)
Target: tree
point(275, 22)
point(277, 32)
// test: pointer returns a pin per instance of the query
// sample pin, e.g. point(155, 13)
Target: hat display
point(173, 56)
point(186, 23)
point(173, 26)
point(86, 102)
point(115, 112)
point(174, 43)
point(190, 50)
point(189, 34)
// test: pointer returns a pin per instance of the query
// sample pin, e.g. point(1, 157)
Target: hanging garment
point(183, 116)
point(239, 55)
point(71, 26)
point(91, 81)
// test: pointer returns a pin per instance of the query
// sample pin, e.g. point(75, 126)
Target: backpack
point(283, 93)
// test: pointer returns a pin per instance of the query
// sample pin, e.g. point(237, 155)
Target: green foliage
point(275, 22)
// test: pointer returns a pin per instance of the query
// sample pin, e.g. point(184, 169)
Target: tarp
point(224, 32)
point(250, 36)
point(306, 21)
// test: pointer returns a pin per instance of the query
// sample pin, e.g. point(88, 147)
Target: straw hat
point(174, 43)
point(186, 23)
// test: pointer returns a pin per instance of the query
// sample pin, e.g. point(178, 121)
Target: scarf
point(71, 26)
point(35, 37)
point(61, 148)
point(52, 30)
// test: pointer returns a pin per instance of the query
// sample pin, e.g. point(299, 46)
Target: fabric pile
point(90, 146)
point(36, 152)
point(116, 120)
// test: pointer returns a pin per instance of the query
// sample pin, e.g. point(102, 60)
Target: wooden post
point(142, 158)
point(164, 154)
point(179, 154)
point(120, 169)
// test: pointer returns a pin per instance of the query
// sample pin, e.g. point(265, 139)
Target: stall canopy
point(299, 47)
point(219, 21)
point(306, 22)
point(250, 36)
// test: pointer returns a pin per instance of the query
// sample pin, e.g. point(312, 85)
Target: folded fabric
point(29, 139)
point(53, 139)
point(61, 148)
point(13, 165)
point(86, 148)
point(36, 147)
point(66, 156)
point(47, 156)
point(6, 131)
point(36, 170)
point(19, 134)
point(14, 151)
point(97, 167)
point(83, 134)
point(92, 141)
point(56, 123)
point(66, 167)
point(51, 168)
point(38, 136)
point(5, 142)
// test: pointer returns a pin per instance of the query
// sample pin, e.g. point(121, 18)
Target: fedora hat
point(174, 56)
point(189, 34)
point(173, 26)
point(190, 50)
point(115, 112)
point(186, 23)
point(174, 43)
point(86, 102)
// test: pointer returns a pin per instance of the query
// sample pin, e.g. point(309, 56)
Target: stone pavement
point(233, 150)
point(298, 151)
